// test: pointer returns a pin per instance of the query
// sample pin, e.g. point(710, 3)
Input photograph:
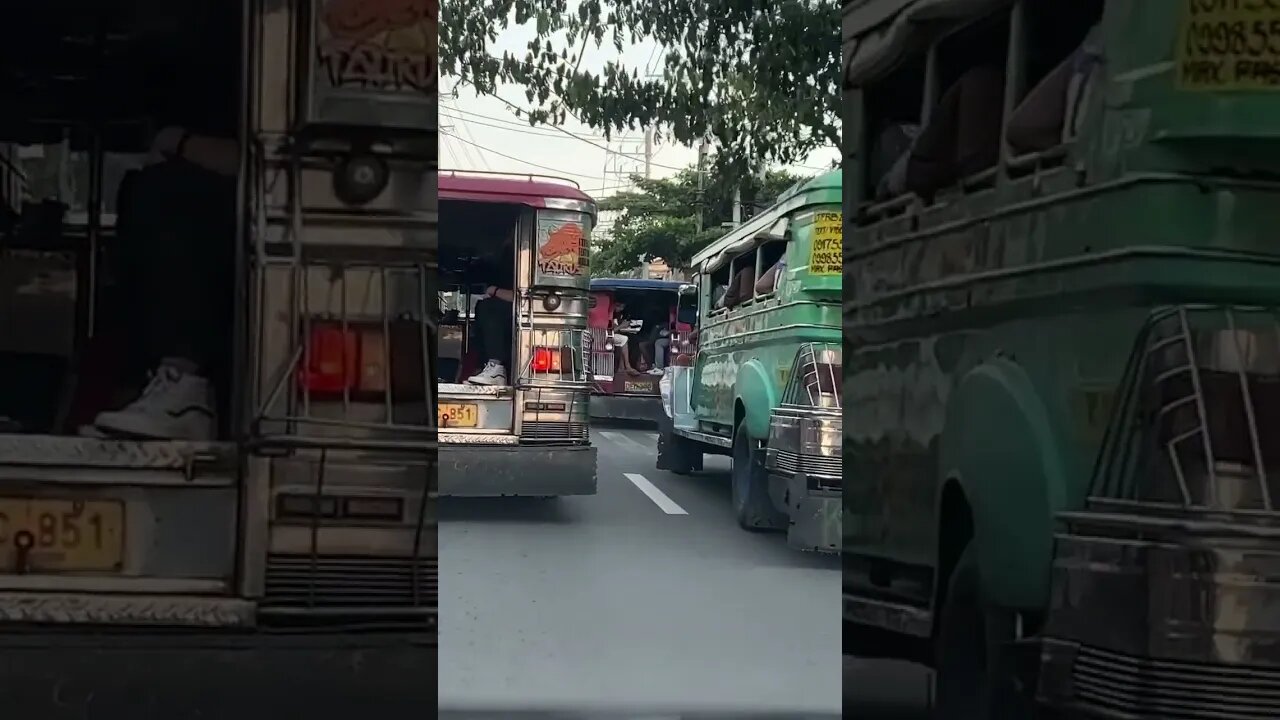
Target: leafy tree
point(759, 76)
point(660, 218)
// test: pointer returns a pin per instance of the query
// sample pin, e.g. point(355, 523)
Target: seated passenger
point(1050, 114)
point(771, 278)
point(179, 246)
point(740, 288)
point(961, 139)
point(653, 345)
point(620, 327)
point(492, 321)
point(889, 159)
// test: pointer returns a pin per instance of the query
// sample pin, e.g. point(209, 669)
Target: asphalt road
point(644, 595)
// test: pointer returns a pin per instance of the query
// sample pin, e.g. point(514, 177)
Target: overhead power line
point(521, 125)
point(592, 143)
point(558, 171)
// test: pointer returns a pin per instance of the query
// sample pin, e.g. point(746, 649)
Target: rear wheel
point(676, 454)
point(751, 502)
point(976, 676)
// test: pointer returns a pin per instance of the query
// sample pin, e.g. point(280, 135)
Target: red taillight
point(360, 361)
point(332, 361)
point(546, 359)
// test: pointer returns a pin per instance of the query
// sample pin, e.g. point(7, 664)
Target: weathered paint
point(745, 353)
point(986, 335)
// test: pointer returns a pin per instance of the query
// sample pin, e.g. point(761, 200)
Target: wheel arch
point(1001, 456)
point(755, 398)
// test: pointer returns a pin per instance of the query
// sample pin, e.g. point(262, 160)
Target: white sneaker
point(92, 431)
point(655, 371)
point(494, 373)
point(175, 405)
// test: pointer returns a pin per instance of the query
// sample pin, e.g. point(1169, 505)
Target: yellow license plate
point(60, 535)
point(459, 415)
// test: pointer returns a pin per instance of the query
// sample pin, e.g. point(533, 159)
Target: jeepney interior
point(743, 271)
point(648, 310)
point(84, 86)
point(900, 104)
point(472, 238)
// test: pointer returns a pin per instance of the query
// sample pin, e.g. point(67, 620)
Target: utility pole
point(703, 148)
point(648, 153)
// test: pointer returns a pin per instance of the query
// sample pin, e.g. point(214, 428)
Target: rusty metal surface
point(91, 452)
point(101, 609)
point(1165, 601)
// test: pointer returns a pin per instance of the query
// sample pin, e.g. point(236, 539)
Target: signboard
point(825, 255)
point(562, 246)
point(375, 62)
point(1229, 45)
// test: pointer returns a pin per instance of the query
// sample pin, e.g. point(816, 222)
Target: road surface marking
point(625, 441)
point(658, 497)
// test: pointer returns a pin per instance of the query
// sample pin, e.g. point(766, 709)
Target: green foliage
point(759, 76)
point(660, 219)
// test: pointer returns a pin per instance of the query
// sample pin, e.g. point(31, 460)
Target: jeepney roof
point(744, 235)
point(598, 284)
point(879, 33)
point(531, 190)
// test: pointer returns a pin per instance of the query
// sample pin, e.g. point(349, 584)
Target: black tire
point(676, 454)
point(751, 501)
point(975, 677)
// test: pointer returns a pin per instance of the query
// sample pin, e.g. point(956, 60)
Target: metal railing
point(1202, 397)
point(815, 377)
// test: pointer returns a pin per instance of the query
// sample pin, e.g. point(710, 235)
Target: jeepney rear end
point(803, 450)
point(528, 436)
point(1166, 586)
point(293, 560)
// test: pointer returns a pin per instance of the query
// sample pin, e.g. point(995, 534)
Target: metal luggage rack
point(531, 177)
point(1189, 435)
point(397, 282)
point(816, 377)
point(301, 426)
point(572, 347)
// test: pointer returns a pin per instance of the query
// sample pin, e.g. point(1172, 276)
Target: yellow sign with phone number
point(825, 256)
point(1229, 45)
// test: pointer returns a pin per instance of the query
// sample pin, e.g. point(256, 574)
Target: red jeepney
point(633, 323)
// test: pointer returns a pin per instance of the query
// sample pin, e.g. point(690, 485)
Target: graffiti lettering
point(375, 68)
point(387, 45)
point(559, 266)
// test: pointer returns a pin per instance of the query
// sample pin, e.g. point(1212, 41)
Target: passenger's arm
point(764, 285)
point(497, 292)
point(215, 154)
point(1036, 124)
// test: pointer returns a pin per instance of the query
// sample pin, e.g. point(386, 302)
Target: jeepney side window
point(715, 284)
point(1053, 63)
point(893, 110)
point(770, 256)
point(742, 280)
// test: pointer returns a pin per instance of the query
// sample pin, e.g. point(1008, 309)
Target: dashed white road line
point(658, 497)
point(625, 441)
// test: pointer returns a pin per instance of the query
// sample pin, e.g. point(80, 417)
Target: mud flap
point(814, 518)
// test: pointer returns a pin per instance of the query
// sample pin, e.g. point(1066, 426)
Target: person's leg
point(660, 352)
point(493, 331)
point(180, 245)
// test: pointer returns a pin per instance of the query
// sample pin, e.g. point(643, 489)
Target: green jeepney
point(1061, 464)
point(758, 378)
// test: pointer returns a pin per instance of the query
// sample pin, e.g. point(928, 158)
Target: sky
point(482, 133)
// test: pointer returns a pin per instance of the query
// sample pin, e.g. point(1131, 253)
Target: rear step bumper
point(80, 673)
point(521, 470)
point(627, 407)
